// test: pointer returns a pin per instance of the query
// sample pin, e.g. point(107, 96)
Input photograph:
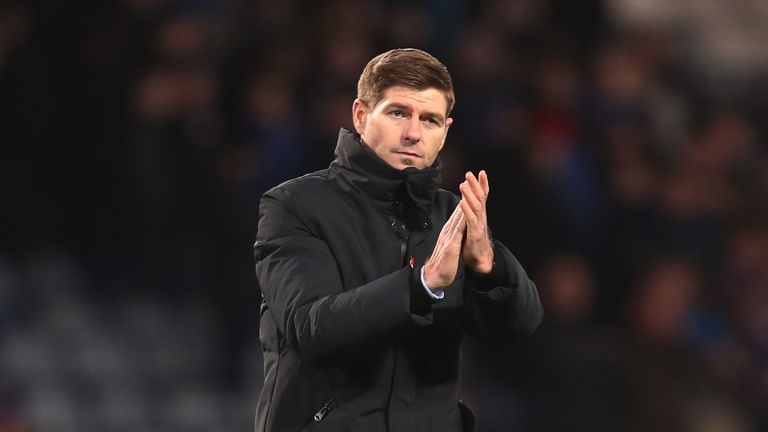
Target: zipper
point(402, 234)
point(327, 407)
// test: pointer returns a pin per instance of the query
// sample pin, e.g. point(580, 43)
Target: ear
point(448, 123)
point(359, 115)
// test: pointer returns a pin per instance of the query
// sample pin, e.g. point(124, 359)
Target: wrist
point(428, 277)
point(437, 294)
point(484, 264)
point(483, 268)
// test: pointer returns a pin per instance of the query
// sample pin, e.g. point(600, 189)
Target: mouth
point(407, 153)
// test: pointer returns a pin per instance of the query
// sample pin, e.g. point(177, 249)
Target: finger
point(476, 228)
point(448, 225)
point(457, 210)
point(472, 199)
point(462, 223)
point(453, 223)
point(477, 189)
point(474, 211)
point(458, 233)
point(484, 182)
point(472, 204)
point(462, 226)
point(469, 213)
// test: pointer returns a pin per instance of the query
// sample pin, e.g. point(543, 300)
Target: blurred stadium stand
point(625, 141)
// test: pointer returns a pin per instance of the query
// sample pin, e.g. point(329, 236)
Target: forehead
point(430, 99)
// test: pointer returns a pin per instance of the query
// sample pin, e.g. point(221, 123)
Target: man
point(370, 274)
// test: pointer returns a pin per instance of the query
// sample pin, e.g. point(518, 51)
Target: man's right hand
point(441, 268)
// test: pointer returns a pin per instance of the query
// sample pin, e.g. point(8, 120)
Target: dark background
point(625, 143)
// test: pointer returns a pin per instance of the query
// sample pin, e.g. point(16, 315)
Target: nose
point(412, 130)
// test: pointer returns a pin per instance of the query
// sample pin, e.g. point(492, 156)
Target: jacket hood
point(411, 190)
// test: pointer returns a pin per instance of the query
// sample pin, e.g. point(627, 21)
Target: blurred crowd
point(627, 156)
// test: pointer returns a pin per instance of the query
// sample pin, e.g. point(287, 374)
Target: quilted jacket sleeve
point(302, 286)
point(503, 306)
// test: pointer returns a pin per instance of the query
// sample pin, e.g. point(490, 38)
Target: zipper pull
point(327, 407)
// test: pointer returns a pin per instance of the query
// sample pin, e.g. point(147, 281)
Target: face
point(406, 128)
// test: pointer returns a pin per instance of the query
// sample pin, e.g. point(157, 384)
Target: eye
point(433, 121)
point(396, 113)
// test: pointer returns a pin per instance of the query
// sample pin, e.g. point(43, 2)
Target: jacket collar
point(411, 191)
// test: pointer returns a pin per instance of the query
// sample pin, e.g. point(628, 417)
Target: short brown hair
point(408, 67)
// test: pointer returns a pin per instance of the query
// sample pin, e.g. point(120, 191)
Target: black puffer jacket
point(351, 340)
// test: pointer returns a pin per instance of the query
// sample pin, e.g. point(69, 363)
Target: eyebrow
point(403, 107)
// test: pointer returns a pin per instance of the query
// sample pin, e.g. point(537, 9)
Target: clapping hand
point(464, 234)
point(477, 250)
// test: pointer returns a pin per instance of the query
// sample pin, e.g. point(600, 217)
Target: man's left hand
point(477, 250)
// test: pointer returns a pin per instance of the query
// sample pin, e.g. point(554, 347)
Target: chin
point(402, 163)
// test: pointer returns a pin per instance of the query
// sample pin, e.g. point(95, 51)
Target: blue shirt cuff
point(437, 295)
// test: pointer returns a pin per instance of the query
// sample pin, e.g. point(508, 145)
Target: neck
point(412, 188)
